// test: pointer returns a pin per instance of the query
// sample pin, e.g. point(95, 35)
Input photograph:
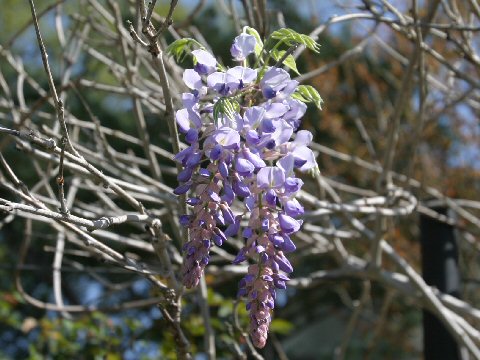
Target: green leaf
point(225, 107)
point(259, 44)
point(178, 49)
point(308, 94)
point(289, 60)
point(281, 326)
point(291, 38)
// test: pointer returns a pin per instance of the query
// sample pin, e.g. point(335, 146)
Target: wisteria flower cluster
point(239, 123)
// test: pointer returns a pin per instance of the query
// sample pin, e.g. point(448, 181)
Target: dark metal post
point(440, 269)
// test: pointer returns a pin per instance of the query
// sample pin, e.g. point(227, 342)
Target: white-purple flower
point(276, 80)
point(232, 80)
point(187, 119)
point(303, 155)
point(270, 177)
point(205, 63)
point(242, 46)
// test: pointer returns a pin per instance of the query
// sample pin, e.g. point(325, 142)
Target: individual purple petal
point(281, 277)
point(213, 195)
point(274, 80)
point(242, 46)
point(275, 110)
point(227, 137)
point(253, 158)
point(283, 262)
point(205, 62)
point(288, 245)
point(218, 82)
point(267, 126)
point(204, 173)
point(287, 164)
point(191, 136)
point(283, 131)
point(266, 277)
point(264, 257)
point(193, 159)
point(265, 225)
point(247, 232)
point(252, 137)
point(183, 156)
point(190, 250)
point(216, 152)
point(307, 157)
point(189, 100)
point(303, 137)
point(296, 110)
point(187, 119)
point(205, 260)
point(228, 194)
point(217, 240)
point(219, 218)
point(232, 229)
point(250, 203)
point(288, 224)
point(185, 175)
point(192, 79)
point(185, 220)
point(277, 240)
point(293, 208)
point(299, 162)
point(270, 144)
point(182, 120)
point(238, 76)
point(270, 177)
point(241, 189)
point(227, 214)
point(288, 90)
point(274, 265)
point(223, 169)
point(244, 167)
point(270, 303)
point(280, 284)
point(271, 197)
point(253, 116)
point(240, 257)
point(292, 184)
point(182, 189)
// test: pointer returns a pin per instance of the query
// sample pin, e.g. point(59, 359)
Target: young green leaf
point(281, 326)
point(178, 49)
point(291, 37)
point(225, 107)
point(308, 94)
point(288, 62)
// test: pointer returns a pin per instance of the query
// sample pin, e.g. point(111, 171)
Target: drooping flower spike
point(239, 123)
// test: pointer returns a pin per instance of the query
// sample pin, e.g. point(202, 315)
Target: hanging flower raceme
point(239, 124)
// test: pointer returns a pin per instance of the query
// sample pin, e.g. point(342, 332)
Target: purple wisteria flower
point(240, 164)
point(205, 62)
point(233, 79)
point(242, 46)
point(277, 82)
